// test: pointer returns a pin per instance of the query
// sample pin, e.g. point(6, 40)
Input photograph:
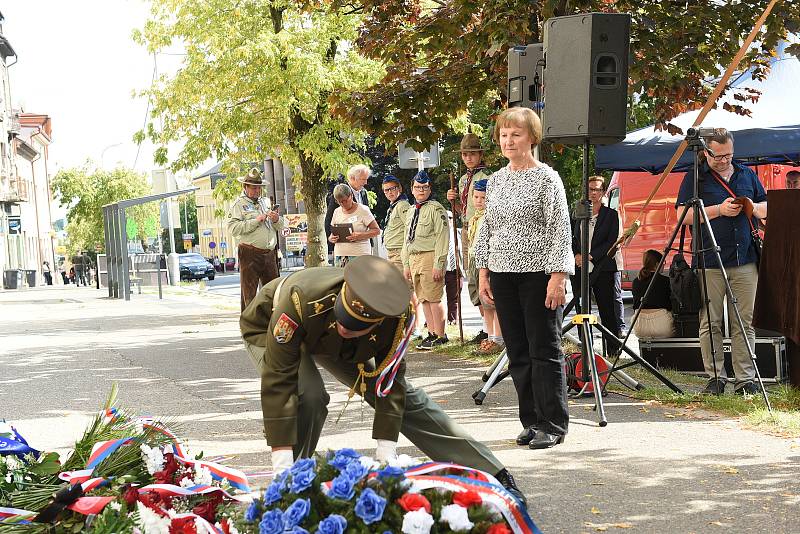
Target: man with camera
point(256, 228)
point(734, 199)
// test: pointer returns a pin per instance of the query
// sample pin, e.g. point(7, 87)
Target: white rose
point(403, 461)
point(150, 522)
point(417, 522)
point(456, 516)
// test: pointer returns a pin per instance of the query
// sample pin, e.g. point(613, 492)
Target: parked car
point(230, 264)
point(194, 267)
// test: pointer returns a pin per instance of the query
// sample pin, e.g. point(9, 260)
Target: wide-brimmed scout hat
point(471, 143)
point(373, 289)
point(253, 177)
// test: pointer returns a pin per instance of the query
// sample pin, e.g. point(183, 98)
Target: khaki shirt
point(243, 225)
point(395, 231)
point(462, 182)
point(432, 234)
point(301, 322)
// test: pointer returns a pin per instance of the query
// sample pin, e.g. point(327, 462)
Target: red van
point(627, 193)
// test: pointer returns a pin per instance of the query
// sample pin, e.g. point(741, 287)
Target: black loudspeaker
point(525, 69)
point(586, 78)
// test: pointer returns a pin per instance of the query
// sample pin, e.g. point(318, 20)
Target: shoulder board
point(320, 306)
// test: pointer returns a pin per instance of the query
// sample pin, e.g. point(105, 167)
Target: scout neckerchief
point(473, 225)
point(467, 184)
point(389, 211)
point(757, 241)
point(412, 230)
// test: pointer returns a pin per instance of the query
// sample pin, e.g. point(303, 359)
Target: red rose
point(170, 463)
point(223, 524)
point(182, 525)
point(414, 501)
point(153, 501)
point(207, 510)
point(467, 498)
point(498, 528)
point(163, 477)
point(130, 495)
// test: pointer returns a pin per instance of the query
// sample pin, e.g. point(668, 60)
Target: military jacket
point(394, 233)
point(462, 182)
point(243, 225)
point(300, 321)
point(432, 234)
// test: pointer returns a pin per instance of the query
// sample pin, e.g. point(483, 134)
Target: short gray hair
point(342, 191)
point(356, 170)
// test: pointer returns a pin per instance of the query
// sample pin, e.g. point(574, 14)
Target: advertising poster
point(297, 238)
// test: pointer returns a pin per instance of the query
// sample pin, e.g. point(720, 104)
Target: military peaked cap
point(373, 289)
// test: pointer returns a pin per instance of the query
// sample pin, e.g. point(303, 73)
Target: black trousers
point(451, 286)
point(532, 334)
point(607, 292)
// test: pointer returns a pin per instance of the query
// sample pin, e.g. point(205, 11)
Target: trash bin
point(12, 279)
point(30, 276)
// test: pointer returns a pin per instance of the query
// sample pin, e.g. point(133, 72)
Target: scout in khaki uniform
point(472, 156)
point(394, 224)
point(257, 229)
point(425, 257)
point(348, 321)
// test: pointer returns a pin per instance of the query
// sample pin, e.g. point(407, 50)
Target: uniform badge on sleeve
point(284, 329)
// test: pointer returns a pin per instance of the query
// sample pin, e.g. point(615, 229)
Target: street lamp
point(103, 153)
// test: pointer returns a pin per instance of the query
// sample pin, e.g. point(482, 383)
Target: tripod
point(695, 204)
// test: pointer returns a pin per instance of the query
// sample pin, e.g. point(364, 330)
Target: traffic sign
point(212, 245)
point(223, 245)
point(188, 237)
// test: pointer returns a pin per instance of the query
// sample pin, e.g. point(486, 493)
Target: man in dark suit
point(357, 177)
point(606, 283)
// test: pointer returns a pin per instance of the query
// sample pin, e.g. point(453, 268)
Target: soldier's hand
point(437, 274)
point(452, 195)
point(333, 238)
point(407, 273)
point(261, 217)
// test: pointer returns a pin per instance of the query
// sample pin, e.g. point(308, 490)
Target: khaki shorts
point(395, 259)
point(472, 283)
point(426, 288)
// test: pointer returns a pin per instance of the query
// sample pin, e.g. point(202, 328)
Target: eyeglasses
point(421, 187)
point(596, 189)
point(390, 189)
point(720, 157)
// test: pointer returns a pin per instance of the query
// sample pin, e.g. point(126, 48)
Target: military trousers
point(425, 424)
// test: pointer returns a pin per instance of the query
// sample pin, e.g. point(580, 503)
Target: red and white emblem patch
point(284, 329)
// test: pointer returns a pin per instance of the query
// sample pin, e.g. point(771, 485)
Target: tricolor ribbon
point(172, 490)
point(432, 467)
point(15, 516)
point(104, 449)
point(390, 371)
point(235, 478)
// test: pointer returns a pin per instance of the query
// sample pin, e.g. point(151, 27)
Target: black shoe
point(439, 341)
point(748, 388)
point(543, 440)
point(427, 343)
point(715, 386)
point(477, 339)
point(526, 435)
point(505, 478)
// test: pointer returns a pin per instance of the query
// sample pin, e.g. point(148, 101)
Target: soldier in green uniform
point(472, 156)
point(349, 321)
point(256, 226)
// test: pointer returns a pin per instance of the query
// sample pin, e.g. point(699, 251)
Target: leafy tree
point(440, 55)
point(256, 80)
point(84, 192)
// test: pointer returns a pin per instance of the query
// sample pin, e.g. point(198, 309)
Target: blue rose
point(343, 457)
point(370, 506)
point(391, 472)
point(342, 487)
point(271, 523)
point(272, 494)
point(355, 470)
point(303, 464)
point(301, 481)
point(298, 511)
point(252, 513)
point(282, 479)
point(296, 530)
point(333, 524)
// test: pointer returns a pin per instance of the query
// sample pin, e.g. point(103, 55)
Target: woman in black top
point(655, 319)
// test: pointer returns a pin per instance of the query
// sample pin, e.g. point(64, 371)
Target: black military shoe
point(543, 440)
point(505, 478)
point(715, 386)
point(480, 337)
point(526, 435)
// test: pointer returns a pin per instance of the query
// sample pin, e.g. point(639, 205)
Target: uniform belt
point(264, 250)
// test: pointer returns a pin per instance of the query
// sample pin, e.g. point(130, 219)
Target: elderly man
point(348, 321)
point(793, 180)
point(256, 228)
point(725, 188)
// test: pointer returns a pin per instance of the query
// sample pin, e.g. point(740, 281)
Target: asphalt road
point(652, 469)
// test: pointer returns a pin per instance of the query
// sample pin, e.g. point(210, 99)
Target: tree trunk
point(314, 191)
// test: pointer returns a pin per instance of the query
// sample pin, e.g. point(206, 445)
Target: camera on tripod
point(700, 133)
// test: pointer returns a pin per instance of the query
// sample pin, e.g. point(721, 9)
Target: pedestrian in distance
point(48, 275)
point(655, 318)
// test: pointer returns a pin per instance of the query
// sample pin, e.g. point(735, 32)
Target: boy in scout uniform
point(349, 321)
point(472, 156)
point(425, 257)
point(257, 229)
point(394, 224)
